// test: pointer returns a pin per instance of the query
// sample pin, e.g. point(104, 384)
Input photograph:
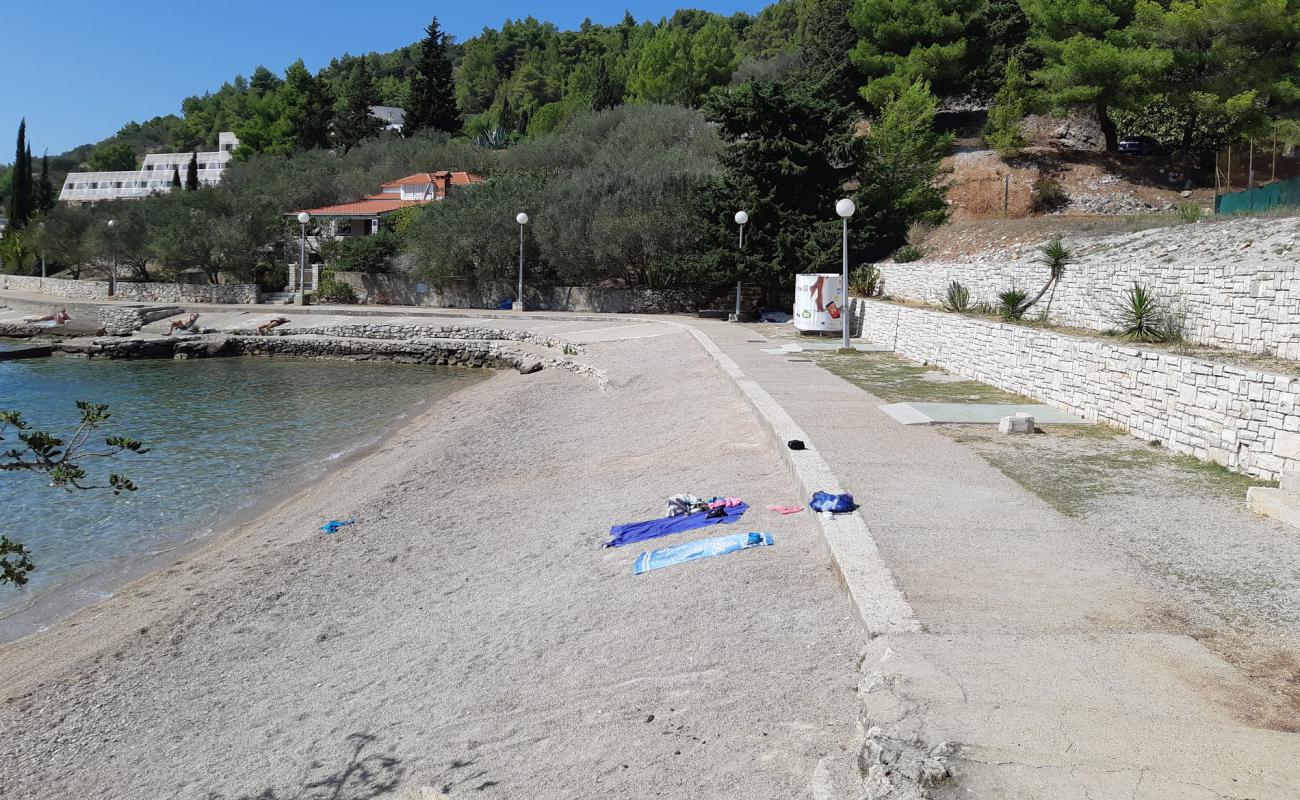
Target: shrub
point(332, 291)
point(956, 298)
point(918, 232)
point(364, 253)
point(908, 252)
point(1049, 195)
point(1141, 317)
point(1190, 212)
point(1011, 304)
point(865, 281)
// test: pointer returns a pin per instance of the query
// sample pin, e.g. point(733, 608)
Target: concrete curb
point(877, 601)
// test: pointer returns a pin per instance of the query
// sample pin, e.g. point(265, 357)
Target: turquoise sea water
point(224, 434)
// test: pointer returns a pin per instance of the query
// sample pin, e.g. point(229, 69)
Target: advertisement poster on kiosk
point(819, 303)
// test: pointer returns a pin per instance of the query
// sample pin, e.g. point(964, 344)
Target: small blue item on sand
point(640, 531)
point(834, 503)
point(333, 525)
point(704, 548)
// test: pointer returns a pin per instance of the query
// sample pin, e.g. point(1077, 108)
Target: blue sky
point(91, 66)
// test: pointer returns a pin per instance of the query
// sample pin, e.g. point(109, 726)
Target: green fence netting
point(1281, 193)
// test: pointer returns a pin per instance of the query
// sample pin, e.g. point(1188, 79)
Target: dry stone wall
point(1245, 419)
point(1235, 284)
point(135, 292)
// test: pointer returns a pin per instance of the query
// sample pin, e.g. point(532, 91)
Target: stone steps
point(276, 298)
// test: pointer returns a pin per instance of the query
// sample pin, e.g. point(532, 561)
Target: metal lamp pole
point(741, 218)
point(112, 276)
point(845, 209)
point(303, 219)
point(522, 219)
point(42, 225)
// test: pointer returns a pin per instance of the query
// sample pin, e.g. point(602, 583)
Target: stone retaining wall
point(1236, 284)
point(125, 320)
point(398, 289)
point(135, 292)
point(1245, 419)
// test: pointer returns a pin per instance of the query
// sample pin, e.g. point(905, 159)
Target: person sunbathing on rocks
point(271, 324)
point(188, 325)
point(58, 317)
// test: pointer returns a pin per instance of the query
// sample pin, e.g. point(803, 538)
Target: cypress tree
point(192, 173)
point(44, 191)
point(20, 199)
point(176, 177)
point(432, 101)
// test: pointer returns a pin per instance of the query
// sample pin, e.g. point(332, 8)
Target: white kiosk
point(819, 302)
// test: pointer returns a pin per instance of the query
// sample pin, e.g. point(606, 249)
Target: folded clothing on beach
point(640, 531)
point(704, 548)
point(834, 503)
point(333, 525)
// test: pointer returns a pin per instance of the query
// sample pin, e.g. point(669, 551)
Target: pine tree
point(310, 109)
point(176, 177)
point(44, 190)
point(432, 101)
point(1007, 111)
point(355, 122)
point(20, 198)
point(192, 174)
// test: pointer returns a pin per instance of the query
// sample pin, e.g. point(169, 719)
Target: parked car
point(1139, 145)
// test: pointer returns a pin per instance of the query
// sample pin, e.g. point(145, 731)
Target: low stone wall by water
point(136, 292)
point(398, 289)
point(1245, 419)
point(125, 320)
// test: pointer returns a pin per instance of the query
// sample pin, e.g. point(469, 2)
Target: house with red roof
point(363, 217)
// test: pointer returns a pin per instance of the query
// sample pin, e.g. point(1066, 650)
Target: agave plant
point(956, 298)
point(1141, 316)
point(1011, 304)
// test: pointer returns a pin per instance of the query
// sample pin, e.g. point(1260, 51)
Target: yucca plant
point(956, 298)
point(1141, 317)
point(1011, 304)
point(1055, 257)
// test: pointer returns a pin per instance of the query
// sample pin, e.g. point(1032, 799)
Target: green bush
point(956, 298)
point(1190, 212)
point(908, 252)
point(1011, 304)
point(364, 253)
point(1049, 195)
point(338, 292)
point(865, 281)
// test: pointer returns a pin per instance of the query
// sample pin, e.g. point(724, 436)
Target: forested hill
point(1191, 73)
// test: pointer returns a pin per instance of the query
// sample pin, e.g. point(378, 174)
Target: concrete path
point(1048, 659)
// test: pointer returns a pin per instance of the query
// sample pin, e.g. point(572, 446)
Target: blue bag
point(834, 503)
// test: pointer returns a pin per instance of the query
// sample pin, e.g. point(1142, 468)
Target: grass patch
point(1075, 467)
point(895, 379)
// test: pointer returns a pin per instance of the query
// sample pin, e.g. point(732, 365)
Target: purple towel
point(640, 531)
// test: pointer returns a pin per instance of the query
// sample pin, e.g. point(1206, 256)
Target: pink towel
point(785, 509)
point(726, 502)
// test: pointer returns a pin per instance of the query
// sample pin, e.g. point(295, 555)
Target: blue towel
point(333, 525)
point(640, 531)
point(704, 548)
point(505, 305)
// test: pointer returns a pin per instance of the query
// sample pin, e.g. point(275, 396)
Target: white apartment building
point(155, 175)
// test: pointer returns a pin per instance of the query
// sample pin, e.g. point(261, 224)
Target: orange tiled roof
point(457, 178)
point(366, 207)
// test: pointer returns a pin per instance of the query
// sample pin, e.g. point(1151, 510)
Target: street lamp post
point(42, 226)
point(522, 219)
point(303, 219)
point(112, 276)
point(741, 218)
point(845, 209)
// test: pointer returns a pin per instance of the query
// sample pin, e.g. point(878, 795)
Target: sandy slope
point(470, 634)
